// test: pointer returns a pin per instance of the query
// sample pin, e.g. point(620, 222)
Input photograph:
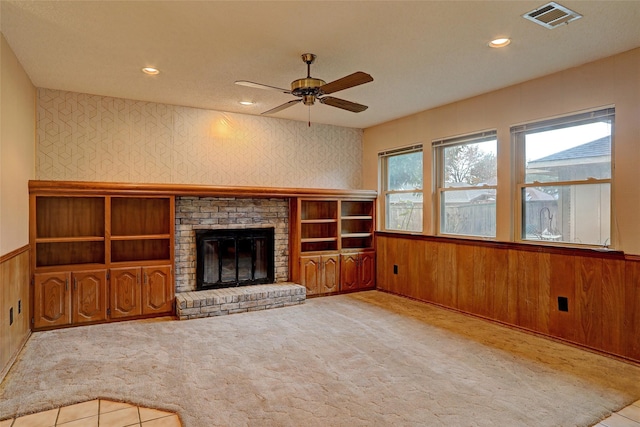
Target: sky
point(545, 143)
point(542, 144)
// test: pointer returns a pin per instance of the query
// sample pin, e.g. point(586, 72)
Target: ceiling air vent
point(552, 15)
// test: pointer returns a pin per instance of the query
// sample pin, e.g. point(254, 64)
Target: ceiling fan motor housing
point(307, 88)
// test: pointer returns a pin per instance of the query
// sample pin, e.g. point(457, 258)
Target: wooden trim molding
point(108, 188)
point(529, 247)
point(14, 253)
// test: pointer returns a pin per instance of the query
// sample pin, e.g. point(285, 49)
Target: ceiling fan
point(310, 89)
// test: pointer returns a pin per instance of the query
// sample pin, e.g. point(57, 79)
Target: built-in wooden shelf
point(359, 235)
point(142, 237)
point(69, 239)
point(319, 239)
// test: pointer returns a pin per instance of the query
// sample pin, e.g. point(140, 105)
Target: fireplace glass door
point(229, 258)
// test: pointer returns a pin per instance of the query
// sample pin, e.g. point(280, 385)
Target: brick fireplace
point(214, 213)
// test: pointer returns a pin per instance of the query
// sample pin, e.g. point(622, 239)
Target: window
point(402, 188)
point(466, 184)
point(564, 179)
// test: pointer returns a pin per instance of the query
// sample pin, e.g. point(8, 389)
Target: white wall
point(610, 81)
point(17, 149)
point(84, 137)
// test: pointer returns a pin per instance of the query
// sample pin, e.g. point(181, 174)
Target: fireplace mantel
point(107, 188)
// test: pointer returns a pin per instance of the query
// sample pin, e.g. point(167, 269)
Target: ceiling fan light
point(500, 42)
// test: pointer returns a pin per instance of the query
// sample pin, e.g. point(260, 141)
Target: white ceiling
point(421, 54)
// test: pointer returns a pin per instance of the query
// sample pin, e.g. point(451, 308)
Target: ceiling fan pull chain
point(309, 115)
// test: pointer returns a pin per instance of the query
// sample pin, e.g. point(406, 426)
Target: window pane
point(570, 214)
point(404, 211)
point(569, 154)
point(404, 171)
point(470, 164)
point(469, 212)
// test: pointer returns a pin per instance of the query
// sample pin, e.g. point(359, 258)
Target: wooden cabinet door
point(367, 270)
point(52, 300)
point(89, 300)
point(330, 277)
point(310, 277)
point(124, 295)
point(157, 290)
point(349, 277)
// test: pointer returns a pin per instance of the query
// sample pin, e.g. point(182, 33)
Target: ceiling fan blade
point(346, 82)
point(341, 103)
point(260, 86)
point(283, 106)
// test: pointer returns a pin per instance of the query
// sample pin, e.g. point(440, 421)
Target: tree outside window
point(466, 180)
point(402, 189)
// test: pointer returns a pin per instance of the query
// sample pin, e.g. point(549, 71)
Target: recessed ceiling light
point(151, 71)
point(246, 102)
point(501, 42)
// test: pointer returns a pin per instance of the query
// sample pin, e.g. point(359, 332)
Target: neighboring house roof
point(534, 194)
point(597, 148)
point(487, 194)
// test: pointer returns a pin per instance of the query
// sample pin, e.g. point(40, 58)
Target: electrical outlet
point(395, 269)
point(563, 304)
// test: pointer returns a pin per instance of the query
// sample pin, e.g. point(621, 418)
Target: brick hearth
point(219, 302)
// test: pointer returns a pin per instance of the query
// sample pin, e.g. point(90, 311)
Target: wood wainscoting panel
point(590, 298)
point(613, 306)
point(630, 332)
point(466, 286)
point(503, 292)
point(589, 301)
point(425, 271)
point(482, 298)
point(14, 306)
point(562, 285)
point(446, 286)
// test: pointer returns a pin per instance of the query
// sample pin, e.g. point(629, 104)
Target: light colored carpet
point(362, 359)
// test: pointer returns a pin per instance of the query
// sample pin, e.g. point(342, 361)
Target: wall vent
point(552, 15)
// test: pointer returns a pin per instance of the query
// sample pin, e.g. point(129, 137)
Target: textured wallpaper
point(83, 137)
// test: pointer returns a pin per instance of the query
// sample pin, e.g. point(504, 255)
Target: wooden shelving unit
point(80, 230)
point(79, 240)
point(357, 224)
point(330, 238)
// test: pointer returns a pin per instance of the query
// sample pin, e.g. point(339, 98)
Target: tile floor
point(105, 413)
point(627, 417)
point(98, 413)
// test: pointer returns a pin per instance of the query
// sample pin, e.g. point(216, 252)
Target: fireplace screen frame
point(222, 237)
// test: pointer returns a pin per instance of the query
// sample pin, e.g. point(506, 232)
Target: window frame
point(438, 149)
point(518, 139)
point(383, 158)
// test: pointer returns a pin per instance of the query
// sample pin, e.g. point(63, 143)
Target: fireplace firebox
point(234, 257)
